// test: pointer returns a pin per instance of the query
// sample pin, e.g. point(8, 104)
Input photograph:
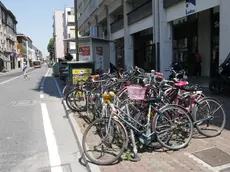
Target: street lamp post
point(76, 29)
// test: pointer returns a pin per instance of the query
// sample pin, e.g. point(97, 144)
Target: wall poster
point(84, 53)
point(99, 64)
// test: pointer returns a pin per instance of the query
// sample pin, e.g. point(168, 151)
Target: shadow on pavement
point(49, 87)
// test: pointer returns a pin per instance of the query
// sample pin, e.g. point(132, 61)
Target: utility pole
point(76, 29)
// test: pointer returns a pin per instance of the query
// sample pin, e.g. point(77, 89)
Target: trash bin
point(80, 71)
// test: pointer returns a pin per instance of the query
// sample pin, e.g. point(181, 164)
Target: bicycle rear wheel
point(173, 127)
point(103, 140)
point(209, 117)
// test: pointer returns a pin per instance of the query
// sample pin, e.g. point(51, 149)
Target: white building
point(58, 31)
point(8, 39)
point(179, 27)
point(69, 31)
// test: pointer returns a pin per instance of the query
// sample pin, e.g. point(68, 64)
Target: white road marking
point(59, 90)
point(54, 157)
point(4, 82)
point(42, 85)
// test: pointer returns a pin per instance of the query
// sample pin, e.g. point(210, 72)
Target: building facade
point(69, 31)
point(152, 33)
point(8, 38)
point(58, 33)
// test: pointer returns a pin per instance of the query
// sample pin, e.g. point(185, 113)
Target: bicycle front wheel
point(173, 127)
point(210, 117)
point(104, 143)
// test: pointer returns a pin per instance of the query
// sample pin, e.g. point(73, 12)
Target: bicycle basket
point(136, 92)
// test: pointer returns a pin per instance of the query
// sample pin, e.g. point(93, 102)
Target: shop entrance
point(144, 50)
point(200, 30)
point(185, 34)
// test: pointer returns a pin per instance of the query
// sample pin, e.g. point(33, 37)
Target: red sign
point(84, 50)
point(99, 51)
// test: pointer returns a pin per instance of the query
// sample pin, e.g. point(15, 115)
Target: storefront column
point(165, 37)
point(112, 54)
point(128, 41)
point(224, 30)
point(204, 40)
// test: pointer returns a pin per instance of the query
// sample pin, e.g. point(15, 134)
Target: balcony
point(92, 6)
point(140, 13)
point(71, 19)
point(117, 25)
point(169, 3)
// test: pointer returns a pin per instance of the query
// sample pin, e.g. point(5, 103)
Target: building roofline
point(24, 36)
point(8, 11)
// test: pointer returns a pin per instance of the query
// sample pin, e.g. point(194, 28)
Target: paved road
point(35, 136)
point(12, 74)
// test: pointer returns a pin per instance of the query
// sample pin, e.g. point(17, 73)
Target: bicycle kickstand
point(135, 154)
point(135, 158)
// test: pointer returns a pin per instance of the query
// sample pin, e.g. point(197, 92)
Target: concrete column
point(128, 39)
point(224, 30)
point(204, 40)
point(165, 39)
point(112, 54)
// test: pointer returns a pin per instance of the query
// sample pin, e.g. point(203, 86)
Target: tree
point(50, 48)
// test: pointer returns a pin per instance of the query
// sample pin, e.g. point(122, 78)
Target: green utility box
point(56, 69)
point(80, 70)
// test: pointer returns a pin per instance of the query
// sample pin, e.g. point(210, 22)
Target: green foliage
point(50, 47)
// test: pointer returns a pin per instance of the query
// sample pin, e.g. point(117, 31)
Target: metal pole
point(76, 29)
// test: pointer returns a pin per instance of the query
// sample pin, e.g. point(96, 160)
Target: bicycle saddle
point(152, 100)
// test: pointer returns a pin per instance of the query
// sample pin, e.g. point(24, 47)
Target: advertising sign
point(99, 58)
point(80, 74)
point(84, 53)
point(190, 7)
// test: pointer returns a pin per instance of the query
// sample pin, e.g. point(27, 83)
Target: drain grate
point(62, 168)
point(214, 157)
point(23, 103)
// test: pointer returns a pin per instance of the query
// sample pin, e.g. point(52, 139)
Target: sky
point(35, 18)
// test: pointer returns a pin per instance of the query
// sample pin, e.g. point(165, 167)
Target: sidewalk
point(11, 71)
point(202, 154)
point(14, 71)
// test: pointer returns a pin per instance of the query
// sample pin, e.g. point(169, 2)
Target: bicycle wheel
point(209, 117)
point(173, 127)
point(103, 141)
point(70, 101)
point(91, 111)
point(80, 100)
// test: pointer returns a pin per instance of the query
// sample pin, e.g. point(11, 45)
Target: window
point(72, 33)
point(69, 13)
point(85, 3)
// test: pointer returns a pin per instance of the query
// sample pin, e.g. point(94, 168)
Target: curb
point(78, 136)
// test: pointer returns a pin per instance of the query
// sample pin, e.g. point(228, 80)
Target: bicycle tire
point(70, 105)
point(188, 116)
point(205, 99)
point(124, 143)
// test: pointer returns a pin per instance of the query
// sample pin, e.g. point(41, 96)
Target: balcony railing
point(169, 3)
point(117, 25)
point(140, 12)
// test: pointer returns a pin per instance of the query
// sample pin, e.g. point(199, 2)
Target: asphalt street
point(35, 135)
